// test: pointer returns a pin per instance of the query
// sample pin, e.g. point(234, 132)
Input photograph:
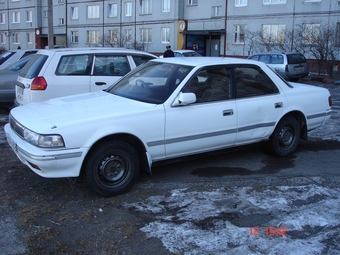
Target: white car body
point(73, 71)
point(172, 128)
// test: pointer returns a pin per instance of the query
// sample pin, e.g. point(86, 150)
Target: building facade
point(213, 28)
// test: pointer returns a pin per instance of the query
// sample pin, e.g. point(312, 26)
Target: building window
point(273, 33)
point(93, 12)
point(239, 32)
point(2, 18)
point(312, 0)
point(29, 37)
point(16, 38)
point(165, 33)
point(128, 35)
point(146, 7)
point(45, 13)
point(239, 3)
point(192, 2)
point(216, 11)
point(61, 21)
point(146, 35)
point(74, 37)
point(311, 33)
point(29, 15)
point(166, 6)
point(113, 10)
point(15, 17)
point(128, 9)
point(113, 36)
point(74, 12)
point(3, 38)
point(93, 36)
point(274, 1)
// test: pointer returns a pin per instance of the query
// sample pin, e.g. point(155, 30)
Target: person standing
point(168, 53)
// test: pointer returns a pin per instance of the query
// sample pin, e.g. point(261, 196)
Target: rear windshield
point(33, 67)
point(296, 59)
point(6, 55)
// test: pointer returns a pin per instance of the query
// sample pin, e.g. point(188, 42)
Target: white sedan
point(164, 109)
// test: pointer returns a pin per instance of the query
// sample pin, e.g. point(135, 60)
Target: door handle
point(228, 112)
point(100, 83)
point(279, 105)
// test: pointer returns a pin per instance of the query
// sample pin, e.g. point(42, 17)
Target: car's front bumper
point(46, 163)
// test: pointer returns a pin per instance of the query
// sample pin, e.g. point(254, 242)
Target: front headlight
point(44, 141)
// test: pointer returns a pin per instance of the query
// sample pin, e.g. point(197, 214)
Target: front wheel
point(112, 168)
point(285, 137)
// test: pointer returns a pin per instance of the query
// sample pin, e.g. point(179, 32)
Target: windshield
point(152, 82)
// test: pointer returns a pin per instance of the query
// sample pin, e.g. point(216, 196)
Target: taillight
point(39, 83)
point(330, 102)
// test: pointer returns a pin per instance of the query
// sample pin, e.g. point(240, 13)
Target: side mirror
point(185, 99)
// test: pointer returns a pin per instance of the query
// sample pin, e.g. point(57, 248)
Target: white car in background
point(11, 56)
point(61, 72)
point(167, 108)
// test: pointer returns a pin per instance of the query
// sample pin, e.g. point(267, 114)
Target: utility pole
point(50, 24)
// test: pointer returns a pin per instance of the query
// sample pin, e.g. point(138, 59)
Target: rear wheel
point(112, 168)
point(285, 137)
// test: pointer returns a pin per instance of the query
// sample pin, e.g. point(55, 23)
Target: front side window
point(311, 33)
point(15, 17)
point(165, 5)
point(273, 33)
point(74, 37)
point(239, 3)
point(128, 9)
point(74, 65)
point(113, 10)
point(239, 33)
point(93, 12)
point(110, 65)
point(274, 1)
point(29, 15)
point(93, 36)
point(192, 2)
point(74, 12)
point(216, 11)
point(146, 35)
point(165, 31)
point(146, 7)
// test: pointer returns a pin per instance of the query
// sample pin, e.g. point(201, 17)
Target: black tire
point(112, 168)
point(285, 137)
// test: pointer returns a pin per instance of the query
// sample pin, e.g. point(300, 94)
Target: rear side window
point(111, 65)
point(296, 59)
point(33, 67)
point(141, 59)
point(277, 59)
point(6, 55)
point(74, 65)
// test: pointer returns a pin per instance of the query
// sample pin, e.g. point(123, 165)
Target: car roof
point(206, 61)
point(181, 51)
point(98, 49)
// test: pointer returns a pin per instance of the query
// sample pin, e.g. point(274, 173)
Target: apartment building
point(213, 28)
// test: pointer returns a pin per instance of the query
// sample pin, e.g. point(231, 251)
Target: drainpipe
point(225, 27)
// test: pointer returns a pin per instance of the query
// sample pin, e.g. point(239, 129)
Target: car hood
point(66, 111)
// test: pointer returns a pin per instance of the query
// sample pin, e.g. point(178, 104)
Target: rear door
point(259, 103)
point(107, 69)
